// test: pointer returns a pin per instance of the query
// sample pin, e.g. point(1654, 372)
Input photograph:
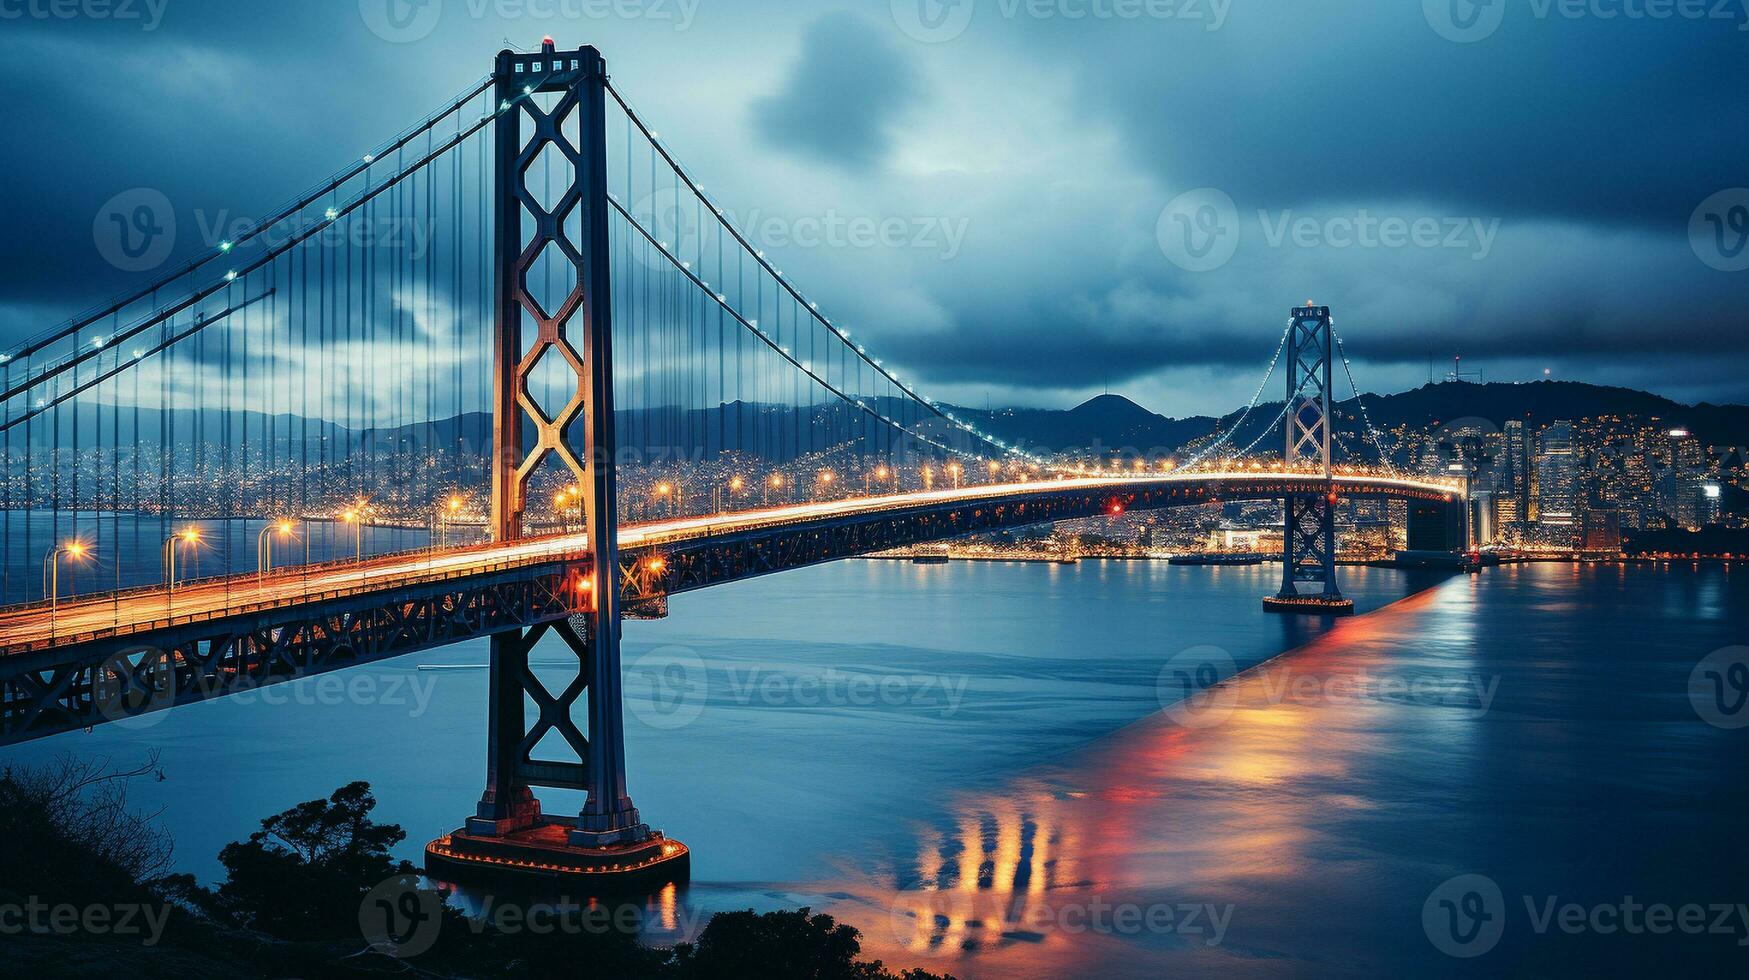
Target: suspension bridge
point(576, 391)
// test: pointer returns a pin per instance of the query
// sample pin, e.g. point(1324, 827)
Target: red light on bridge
point(1116, 508)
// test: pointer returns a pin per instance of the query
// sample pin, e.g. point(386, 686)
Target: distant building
point(1485, 506)
point(1557, 476)
point(1602, 531)
point(1687, 468)
point(1514, 506)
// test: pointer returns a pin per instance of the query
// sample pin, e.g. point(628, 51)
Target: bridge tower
point(1308, 577)
point(607, 843)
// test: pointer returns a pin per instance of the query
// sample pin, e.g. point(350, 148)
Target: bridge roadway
point(74, 620)
point(93, 657)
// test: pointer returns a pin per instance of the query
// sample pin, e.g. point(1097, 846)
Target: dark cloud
point(1057, 142)
point(841, 98)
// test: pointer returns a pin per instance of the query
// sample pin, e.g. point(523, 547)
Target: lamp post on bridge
point(356, 516)
point(189, 536)
point(75, 550)
point(264, 548)
point(445, 515)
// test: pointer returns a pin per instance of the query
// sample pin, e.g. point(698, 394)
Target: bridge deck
point(33, 627)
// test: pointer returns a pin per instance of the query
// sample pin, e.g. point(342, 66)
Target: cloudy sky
point(1072, 194)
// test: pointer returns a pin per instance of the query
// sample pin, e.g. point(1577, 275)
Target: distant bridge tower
point(1308, 578)
point(509, 829)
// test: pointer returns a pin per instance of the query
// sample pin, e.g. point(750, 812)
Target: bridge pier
point(607, 846)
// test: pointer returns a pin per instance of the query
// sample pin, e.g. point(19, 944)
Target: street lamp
point(187, 536)
point(75, 550)
point(445, 515)
point(355, 517)
point(775, 483)
point(735, 485)
point(559, 506)
point(264, 548)
point(954, 470)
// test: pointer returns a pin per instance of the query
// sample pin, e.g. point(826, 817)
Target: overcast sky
point(1071, 194)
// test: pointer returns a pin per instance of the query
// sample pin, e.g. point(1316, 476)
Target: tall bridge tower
point(1308, 577)
point(607, 839)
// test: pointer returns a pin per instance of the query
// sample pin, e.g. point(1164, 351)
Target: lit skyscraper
point(1557, 477)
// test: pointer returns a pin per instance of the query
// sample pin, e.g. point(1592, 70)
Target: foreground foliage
point(291, 898)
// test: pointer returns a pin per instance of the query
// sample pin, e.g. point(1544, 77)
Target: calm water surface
point(972, 763)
